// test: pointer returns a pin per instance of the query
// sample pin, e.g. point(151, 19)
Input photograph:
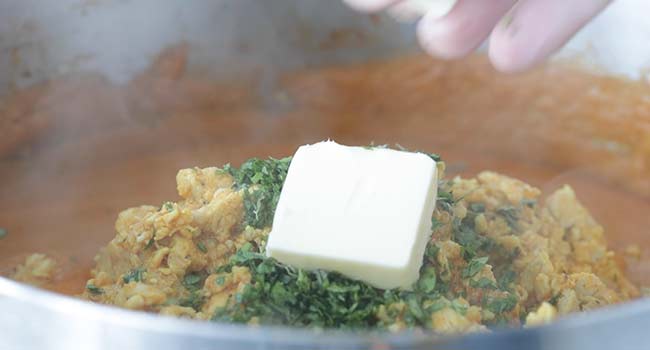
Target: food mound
point(498, 255)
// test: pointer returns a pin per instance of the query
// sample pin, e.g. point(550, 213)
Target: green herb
point(437, 305)
point(511, 215)
point(3, 232)
point(434, 156)
point(415, 308)
point(531, 203)
point(483, 283)
point(427, 281)
point(465, 234)
point(169, 206)
point(445, 200)
point(261, 182)
point(195, 300)
point(246, 254)
point(475, 265)
point(435, 224)
point(220, 280)
point(505, 278)
point(193, 281)
point(135, 275)
point(477, 207)
point(281, 294)
point(459, 307)
point(149, 244)
point(501, 305)
point(94, 289)
point(201, 246)
point(554, 299)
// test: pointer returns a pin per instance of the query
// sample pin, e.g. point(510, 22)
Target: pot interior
point(83, 148)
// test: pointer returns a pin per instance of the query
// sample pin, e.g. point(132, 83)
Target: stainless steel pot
point(42, 39)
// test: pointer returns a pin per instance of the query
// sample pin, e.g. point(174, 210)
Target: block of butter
point(362, 212)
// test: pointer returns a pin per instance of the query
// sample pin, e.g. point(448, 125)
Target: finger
point(463, 29)
point(535, 29)
point(411, 10)
point(370, 5)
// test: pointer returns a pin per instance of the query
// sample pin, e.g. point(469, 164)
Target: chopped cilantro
point(445, 199)
point(477, 207)
point(435, 224)
point(261, 182)
point(149, 244)
point(220, 280)
point(554, 299)
point(510, 215)
point(427, 281)
point(501, 305)
point(281, 294)
point(436, 306)
point(415, 308)
point(201, 246)
point(465, 234)
point(195, 300)
point(530, 203)
point(135, 275)
point(505, 278)
point(193, 281)
point(94, 289)
point(459, 307)
point(169, 206)
point(483, 283)
point(474, 266)
point(434, 156)
point(431, 251)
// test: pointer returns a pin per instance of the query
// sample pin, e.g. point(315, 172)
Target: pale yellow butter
point(365, 213)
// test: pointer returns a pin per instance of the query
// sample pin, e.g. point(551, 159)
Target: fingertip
point(461, 31)
point(370, 5)
point(438, 38)
point(504, 55)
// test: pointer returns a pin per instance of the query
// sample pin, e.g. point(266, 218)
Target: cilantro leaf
point(477, 207)
point(459, 307)
point(435, 223)
point(445, 200)
point(511, 216)
point(505, 278)
point(94, 289)
point(475, 265)
point(427, 281)
point(135, 275)
point(261, 181)
point(195, 300)
point(501, 305)
point(193, 281)
point(483, 283)
point(530, 203)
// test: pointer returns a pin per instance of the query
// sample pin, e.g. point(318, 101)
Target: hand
point(524, 32)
